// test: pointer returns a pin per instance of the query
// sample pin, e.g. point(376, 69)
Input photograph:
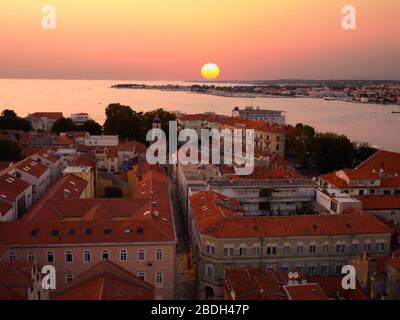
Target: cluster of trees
point(132, 125)
point(66, 124)
point(9, 151)
point(9, 120)
point(326, 152)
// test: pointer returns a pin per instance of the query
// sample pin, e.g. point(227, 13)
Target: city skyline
point(165, 41)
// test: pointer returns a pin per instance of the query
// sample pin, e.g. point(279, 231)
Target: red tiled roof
point(63, 141)
point(308, 291)
point(4, 208)
point(11, 187)
point(51, 115)
point(5, 164)
point(361, 174)
point(48, 156)
point(389, 160)
point(334, 180)
point(15, 280)
point(219, 222)
point(382, 202)
point(32, 167)
point(107, 281)
point(332, 286)
point(85, 160)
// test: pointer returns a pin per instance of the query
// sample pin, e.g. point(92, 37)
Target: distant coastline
point(385, 94)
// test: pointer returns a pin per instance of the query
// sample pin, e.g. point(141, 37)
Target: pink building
point(135, 233)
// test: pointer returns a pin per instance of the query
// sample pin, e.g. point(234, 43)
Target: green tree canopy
point(363, 151)
point(123, 121)
point(10, 121)
point(92, 127)
point(112, 192)
point(333, 152)
point(9, 151)
point(63, 125)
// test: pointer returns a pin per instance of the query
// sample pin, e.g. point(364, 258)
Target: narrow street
point(184, 273)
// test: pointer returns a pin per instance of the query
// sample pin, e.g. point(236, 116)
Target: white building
point(51, 160)
point(102, 141)
point(250, 113)
point(16, 194)
point(34, 173)
point(80, 118)
point(335, 200)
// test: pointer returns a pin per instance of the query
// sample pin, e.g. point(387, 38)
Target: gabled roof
point(32, 167)
point(380, 202)
point(51, 115)
point(11, 187)
point(308, 291)
point(5, 208)
point(63, 141)
point(382, 159)
point(107, 281)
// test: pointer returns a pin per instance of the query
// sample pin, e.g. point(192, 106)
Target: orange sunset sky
point(172, 39)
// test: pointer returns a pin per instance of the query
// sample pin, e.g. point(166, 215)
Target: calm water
point(363, 122)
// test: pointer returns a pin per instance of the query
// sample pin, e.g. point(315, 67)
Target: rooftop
point(216, 221)
point(32, 167)
point(11, 187)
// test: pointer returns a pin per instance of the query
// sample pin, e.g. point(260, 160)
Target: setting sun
point(210, 71)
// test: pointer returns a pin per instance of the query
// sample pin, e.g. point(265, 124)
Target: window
point(367, 246)
point(340, 247)
point(123, 255)
point(50, 257)
point(386, 192)
point(354, 247)
point(141, 255)
point(271, 267)
point(380, 245)
point(325, 248)
point(13, 256)
point(286, 249)
point(285, 267)
point(105, 255)
point(69, 276)
point(87, 257)
point(31, 256)
point(242, 251)
point(159, 278)
point(210, 271)
point(312, 248)
point(324, 269)
point(339, 267)
point(311, 269)
point(142, 275)
point(299, 267)
point(256, 251)
point(159, 254)
point(68, 257)
point(228, 251)
point(271, 250)
point(210, 249)
point(299, 249)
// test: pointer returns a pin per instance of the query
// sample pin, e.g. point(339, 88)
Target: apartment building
point(316, 245)
point(135, 233)
point(102, 140)
point(34, 173)
point(251, 113)
point(43, 120)
point(51, 160)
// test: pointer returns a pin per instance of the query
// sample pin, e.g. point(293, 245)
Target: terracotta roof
point(219, 222)
point(361, 174)
point(5, 164)
point(11, 187)
point(5, 208)
point(107, 281)
point(85, 160)
point(389, 160)
point(15, 280)
point(51, 115)
point(145, 217)
point(32, 167)
point(48, 156)
point(308, 291)
point(383, 202)
point(63, 141)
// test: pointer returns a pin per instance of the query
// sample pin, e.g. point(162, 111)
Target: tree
point(332, 152)
point(112, 192)
point(63, 125)
point(92, 127)
point(148, 118)
point(123, 121)
point(362, 152)
point(10, 121)
point(9, 151)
